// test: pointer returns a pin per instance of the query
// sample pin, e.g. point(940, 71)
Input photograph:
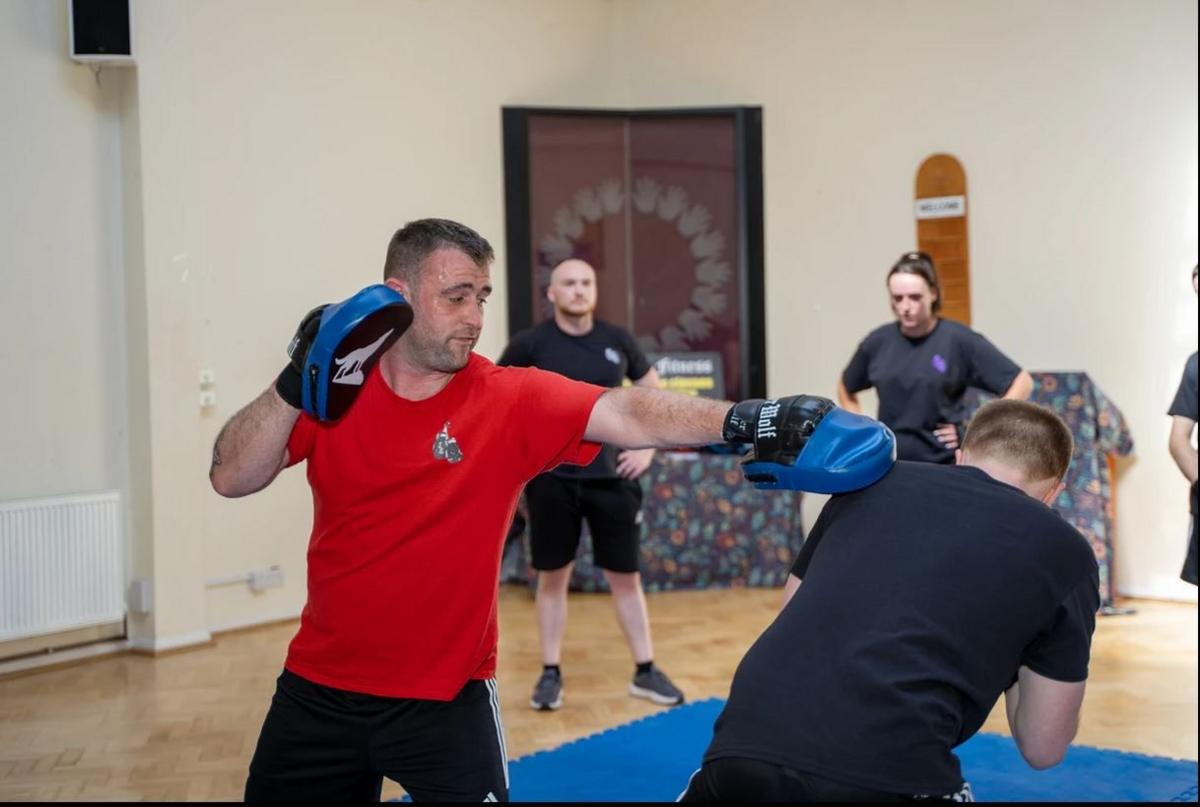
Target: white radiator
point(61, 564)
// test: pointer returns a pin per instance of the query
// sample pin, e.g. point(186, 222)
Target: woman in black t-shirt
point(1184, 414)
point(921, 366)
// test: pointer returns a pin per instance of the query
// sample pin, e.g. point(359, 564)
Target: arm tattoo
point(216, 451)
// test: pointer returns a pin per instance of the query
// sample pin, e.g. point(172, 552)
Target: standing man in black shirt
point(576, 344)
point(1183, 424)
point(921, 365)
point(915, 613)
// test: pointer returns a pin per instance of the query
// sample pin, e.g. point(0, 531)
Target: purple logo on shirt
point(939, 363)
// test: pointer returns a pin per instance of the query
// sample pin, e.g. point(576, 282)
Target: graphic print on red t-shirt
point(411, 502)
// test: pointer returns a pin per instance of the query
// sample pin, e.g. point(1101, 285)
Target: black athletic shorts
point(557, 507)
point(320, 744)
point(1190, 566)
point(750, 780)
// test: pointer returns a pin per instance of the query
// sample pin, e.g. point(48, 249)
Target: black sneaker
point(547, 692)
point(654, 685)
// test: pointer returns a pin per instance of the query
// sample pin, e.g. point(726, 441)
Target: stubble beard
point(441, 356)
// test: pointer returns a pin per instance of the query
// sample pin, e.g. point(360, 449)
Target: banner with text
point(691, 372)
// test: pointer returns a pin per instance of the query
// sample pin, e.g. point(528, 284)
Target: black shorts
point(320, 744)
point(751, 780)
point(1190, 566)
point(557, 507)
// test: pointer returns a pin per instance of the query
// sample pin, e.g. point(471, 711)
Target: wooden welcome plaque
point(941, 212)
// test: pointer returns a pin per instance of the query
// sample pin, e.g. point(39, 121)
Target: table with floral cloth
point(1100, 431)
point(703, 526)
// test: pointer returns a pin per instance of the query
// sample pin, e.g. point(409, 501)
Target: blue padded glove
point(804, 442)
point(335, 348)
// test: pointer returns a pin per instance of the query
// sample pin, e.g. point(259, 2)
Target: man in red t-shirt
point(392, 672)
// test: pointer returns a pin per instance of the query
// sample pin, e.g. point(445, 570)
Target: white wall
point(281, 145)
point(64, 412)
point(182, 216)
point(62, 341)
point(1076, 124)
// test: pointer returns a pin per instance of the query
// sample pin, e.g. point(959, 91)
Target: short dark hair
point(417, 240)
point(1023, 434)
point(920, 264)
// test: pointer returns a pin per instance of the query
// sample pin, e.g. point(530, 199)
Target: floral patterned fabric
point(703, 526)
point(1099, 430)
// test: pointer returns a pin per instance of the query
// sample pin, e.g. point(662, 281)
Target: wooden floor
point(183, 726)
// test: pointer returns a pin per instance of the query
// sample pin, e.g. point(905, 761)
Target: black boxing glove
point(778, 429)
point(290, 379)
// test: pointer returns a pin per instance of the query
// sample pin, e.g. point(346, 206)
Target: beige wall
point(64, 419)
point(1076, 124)
point(281, 145)
point(62, 342)
point(260, 155)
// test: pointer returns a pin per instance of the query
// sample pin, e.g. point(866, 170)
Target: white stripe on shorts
point(689, 784)
point(494, 700)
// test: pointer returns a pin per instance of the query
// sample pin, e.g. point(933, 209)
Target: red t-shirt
point(404, 557)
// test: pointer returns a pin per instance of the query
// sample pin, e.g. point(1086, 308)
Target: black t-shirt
point(1184, 405)
point(606, 355)
point(921, 382)
point(921, 597)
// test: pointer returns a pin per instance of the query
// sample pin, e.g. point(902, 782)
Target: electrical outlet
point(208, 399)
point(262, 579)
point(207, 378)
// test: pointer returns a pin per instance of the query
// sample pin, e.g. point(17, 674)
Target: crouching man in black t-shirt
point(923, 598)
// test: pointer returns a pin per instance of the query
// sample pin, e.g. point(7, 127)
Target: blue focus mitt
point(335, 348)
point(804, 442)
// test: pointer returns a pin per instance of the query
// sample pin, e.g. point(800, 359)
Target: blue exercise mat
point(651, 759)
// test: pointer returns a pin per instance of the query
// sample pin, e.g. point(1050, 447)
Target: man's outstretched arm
point(855, 450)
point(640, 417)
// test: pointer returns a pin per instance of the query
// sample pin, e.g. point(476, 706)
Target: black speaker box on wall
point(101, 31)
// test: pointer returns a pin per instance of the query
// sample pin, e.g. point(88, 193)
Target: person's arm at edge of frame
point(847, 399)
point(1043, 715)
point(948, 434)
point(251, 448)
point(639, 417)
point(650, 380)
point(1020, 387)
point(632, 462)
point(1180, 446)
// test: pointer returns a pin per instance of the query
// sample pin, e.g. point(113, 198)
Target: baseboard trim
point(62, 658)
point(260, 621)
point(185, 641)
point(1154, 593)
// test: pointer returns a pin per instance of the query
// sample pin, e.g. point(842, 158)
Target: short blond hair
point(1027, 436)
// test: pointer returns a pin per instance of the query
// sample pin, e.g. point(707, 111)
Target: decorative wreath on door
point(693, 222)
